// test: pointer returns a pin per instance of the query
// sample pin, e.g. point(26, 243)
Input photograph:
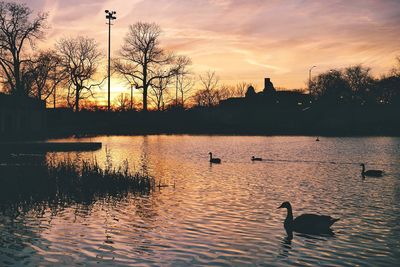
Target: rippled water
point(224, 214)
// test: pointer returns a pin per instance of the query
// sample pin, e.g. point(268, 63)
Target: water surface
point(225, 214)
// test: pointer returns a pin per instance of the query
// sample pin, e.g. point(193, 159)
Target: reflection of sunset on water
point(226, 213)
point(199, 133)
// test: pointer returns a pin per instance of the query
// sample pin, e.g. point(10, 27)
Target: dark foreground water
point(221, 215)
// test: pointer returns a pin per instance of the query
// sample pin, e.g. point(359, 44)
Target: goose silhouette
point(214, 160)
point(307, 223)
point(256, 159)
point(372, 173)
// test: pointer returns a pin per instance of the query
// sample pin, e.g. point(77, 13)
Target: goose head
point(286, 205)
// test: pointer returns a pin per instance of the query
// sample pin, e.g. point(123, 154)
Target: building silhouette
point(269, 97)
point(21, 116)
point(268, 86)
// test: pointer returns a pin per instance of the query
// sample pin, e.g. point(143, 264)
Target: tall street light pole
point(309, 79)
point(110, 16)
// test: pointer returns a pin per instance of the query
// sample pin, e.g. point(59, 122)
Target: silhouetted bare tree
point(241, 89)
point(361, 83)
point(388, 86)
point(208, 95)
point(183, 80)
point(44, 74)
point(185, 85)
point(225, 92)
point(396, 69)
point(129, 81)
point(159, 89)
point(228, 91)
point(330, 87)
point(123, 102)
point(141, 57)
point(80, 59)
point(354, 84)
point(18, 31)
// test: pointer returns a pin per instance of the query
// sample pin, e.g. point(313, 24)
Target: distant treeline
point(342, 102)
point(355, 85)
point(317, 120)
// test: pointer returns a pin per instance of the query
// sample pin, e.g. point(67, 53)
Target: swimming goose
point(307, 223)
point(256, 159)
point(214, 160)
point(373, 173)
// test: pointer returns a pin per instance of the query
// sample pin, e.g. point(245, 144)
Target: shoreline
point(60, 136)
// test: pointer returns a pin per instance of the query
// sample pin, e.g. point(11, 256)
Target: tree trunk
point(54, 98)
point(39, 96)
point(131, 97)
point(145, 87)
point(77, 99)
point(176, 91)
point(144, 98)
point(18, 86)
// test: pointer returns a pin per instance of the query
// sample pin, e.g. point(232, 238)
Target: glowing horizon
point(244, 40)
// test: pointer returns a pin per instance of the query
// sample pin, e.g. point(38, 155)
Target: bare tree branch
point(16, 30)
point(80, 59)
point(141, 58)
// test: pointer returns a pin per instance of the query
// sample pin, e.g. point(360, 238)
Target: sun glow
point(266, 42)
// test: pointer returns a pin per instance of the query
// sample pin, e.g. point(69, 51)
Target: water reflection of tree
point(144, 156)
point(144, 222)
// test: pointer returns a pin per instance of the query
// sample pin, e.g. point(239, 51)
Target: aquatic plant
point(67, 181)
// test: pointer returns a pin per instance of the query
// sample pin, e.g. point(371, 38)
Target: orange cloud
point(245, 40)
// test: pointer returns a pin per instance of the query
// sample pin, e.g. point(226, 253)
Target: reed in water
point(69, 181)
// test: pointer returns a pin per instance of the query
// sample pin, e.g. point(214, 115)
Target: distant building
point(268, 86)
point(250, 92)
point(21, 115)
point(269, 97)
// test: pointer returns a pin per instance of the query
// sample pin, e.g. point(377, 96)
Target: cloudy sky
point(246, 40)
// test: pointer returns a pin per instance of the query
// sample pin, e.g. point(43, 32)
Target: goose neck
point(288, 224)
point(289, 216)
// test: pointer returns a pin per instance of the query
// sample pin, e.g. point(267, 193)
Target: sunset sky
point(246, 40)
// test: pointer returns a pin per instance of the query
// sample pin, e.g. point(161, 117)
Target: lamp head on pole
point(110, 14)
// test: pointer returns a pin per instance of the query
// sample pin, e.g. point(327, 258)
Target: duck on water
point(214, 160)
point(372, 173)
point(307, 223)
